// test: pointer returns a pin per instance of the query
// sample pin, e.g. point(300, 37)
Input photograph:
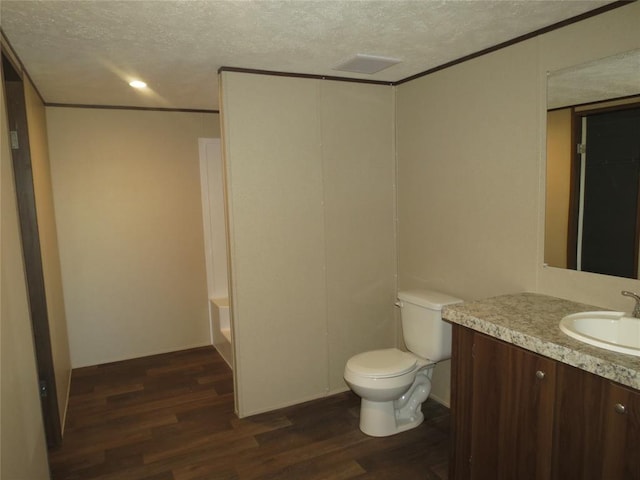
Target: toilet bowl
point(393, 383)
point(384, 380)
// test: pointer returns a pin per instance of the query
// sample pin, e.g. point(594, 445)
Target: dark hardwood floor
point(170, 417)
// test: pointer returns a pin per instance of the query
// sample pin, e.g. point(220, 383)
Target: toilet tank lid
point(428, 298)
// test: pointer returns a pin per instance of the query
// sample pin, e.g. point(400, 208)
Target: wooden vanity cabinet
point(519, 415)
point(597, 428)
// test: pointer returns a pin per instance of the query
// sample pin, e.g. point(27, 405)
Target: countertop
point(530, 321)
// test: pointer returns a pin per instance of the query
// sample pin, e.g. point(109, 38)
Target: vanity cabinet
point(519, 415)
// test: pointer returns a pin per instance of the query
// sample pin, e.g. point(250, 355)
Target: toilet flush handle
point(398, 304)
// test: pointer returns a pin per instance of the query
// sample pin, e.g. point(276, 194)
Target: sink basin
point(616, 331)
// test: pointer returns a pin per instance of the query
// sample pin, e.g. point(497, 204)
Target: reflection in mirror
point(593, 167)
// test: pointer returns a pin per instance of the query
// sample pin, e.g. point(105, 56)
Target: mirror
point(592, 217)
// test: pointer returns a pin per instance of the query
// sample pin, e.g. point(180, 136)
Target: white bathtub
point(220, 310)
point(221, 336)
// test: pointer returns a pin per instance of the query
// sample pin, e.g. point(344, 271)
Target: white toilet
point(393, 384)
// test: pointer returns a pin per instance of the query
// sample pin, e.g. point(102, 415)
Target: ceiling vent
point(368, 64)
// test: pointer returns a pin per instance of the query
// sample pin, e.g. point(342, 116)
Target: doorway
point(216, 248)
point(608, 162)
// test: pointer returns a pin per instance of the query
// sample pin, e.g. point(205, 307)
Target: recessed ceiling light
point(138, 84)
point(363, 63)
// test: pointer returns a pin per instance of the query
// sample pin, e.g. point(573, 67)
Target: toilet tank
point(424, 331)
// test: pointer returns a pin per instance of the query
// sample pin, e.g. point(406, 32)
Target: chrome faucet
point(636, 297)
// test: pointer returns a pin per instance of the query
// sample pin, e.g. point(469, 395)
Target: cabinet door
point(578, 433)
point(621, 433)
point(512, 412)
point(597, 434)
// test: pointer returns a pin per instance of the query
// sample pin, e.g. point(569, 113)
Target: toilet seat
point(386, 363)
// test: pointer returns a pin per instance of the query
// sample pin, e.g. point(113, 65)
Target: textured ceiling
point(607, 78)
point(81, 52)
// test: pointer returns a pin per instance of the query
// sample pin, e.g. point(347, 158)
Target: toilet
point(393, 383)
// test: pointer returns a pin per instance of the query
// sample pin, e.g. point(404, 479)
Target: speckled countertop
point(530, 320)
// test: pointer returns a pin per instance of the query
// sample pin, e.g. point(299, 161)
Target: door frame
point(31, 250)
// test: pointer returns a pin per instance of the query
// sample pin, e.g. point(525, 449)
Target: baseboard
point(292, 403)
point(207, 343)
point(337, 391)
point(63, 420)
point(440, 400)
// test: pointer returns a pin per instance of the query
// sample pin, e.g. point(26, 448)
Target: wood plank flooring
point(170, 417)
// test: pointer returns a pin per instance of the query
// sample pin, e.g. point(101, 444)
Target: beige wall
point(558, 181)
point(471, 163)
point(49, 246)
point(127, 196)
point(311, 202)
point(467, 181)
point(357, 123)
point(23, 454)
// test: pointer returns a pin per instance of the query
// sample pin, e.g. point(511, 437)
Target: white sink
point(616, 331)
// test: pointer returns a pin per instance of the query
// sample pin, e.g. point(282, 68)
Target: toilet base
point(378, 419)
point(381, 419)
